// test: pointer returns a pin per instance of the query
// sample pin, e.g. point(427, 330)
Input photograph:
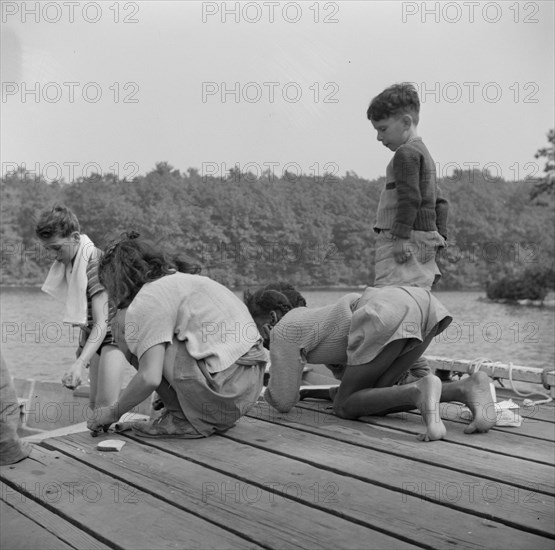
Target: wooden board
point(509, 443)
point(255, 512)
point(58, 527)
point(21, 533)
point(98, 503)
point(525, 475)
point(303, 480)
point(336, 490)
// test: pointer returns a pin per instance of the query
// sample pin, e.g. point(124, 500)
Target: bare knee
point(341, 410)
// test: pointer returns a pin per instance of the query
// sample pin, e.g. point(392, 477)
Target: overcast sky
point(121, 86)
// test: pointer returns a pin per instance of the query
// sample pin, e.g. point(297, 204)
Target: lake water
point(36, 344)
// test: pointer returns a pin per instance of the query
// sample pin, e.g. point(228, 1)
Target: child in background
point(411, 220)
point(73, 279)
point(194, 341)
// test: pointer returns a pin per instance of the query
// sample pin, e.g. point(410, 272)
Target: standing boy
point(411, 220)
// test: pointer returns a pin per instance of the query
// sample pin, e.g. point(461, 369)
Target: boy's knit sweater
point(410, 198)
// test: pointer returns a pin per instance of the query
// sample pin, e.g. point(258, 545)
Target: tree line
point(247, 229)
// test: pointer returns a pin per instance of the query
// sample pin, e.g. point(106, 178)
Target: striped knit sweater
point(304, 335)
point(411, 198)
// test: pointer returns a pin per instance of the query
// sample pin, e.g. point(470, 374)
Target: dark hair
point(58, 221)
point(131, 262)
point(398, 99)
point(279, 296)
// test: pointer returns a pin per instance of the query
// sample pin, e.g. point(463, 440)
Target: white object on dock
point(110, 445)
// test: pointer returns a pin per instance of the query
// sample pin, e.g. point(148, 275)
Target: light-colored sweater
point(213, 323)
point(303, 336)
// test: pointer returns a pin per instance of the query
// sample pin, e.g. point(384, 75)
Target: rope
point(477, 364)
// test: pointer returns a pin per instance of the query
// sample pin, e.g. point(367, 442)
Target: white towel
point(69, 283)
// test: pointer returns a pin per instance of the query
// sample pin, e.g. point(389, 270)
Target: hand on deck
point(103, 418)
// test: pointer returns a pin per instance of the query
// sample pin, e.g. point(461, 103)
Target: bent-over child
point(368, 342)
point(195, 343)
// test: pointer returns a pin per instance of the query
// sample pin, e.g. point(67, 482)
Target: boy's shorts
point(419, 270)
point(84, 335)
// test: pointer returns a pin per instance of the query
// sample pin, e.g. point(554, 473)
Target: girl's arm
point(146, 380)
point(286, 371)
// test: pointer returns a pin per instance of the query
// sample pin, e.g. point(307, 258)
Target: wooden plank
point(523, 509)
point(526, 475)
point(21, 533)
point(258, 514)
point(511, 444)
point(409, 516)
point(59, 527)
point(100, 504)
point(495, 370)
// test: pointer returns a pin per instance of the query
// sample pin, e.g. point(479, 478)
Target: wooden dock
point(303, 480)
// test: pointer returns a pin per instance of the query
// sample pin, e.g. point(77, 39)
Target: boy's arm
point(406, 170)
point(99, 306)
point(442, 210)
point(99, 302)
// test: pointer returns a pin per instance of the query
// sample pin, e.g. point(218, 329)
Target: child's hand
point(103, 417)
point(402, 250)
point(72, 378)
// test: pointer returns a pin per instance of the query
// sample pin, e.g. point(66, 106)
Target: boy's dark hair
point(59, 221)
point(279, 296)
point(131, 262)
point(398, 99)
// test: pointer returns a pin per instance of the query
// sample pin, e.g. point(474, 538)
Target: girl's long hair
point(130, 262)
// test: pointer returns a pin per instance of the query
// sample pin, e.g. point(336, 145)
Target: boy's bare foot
point(478, 398)
point(427, 402)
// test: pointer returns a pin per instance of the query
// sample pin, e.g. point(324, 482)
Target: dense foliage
point(247, 230)
point(533, 284)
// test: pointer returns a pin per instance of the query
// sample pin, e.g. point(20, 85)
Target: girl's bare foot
point(478, 398)
point(427, 402)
